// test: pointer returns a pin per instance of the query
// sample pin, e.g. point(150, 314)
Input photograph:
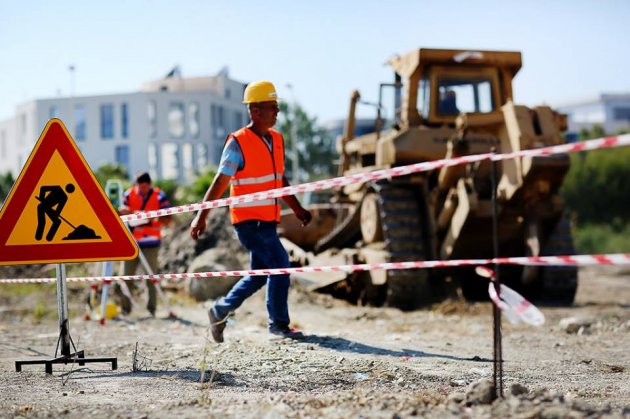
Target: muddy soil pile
point(182, 251)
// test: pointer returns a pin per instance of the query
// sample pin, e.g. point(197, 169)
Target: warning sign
point(57, 212)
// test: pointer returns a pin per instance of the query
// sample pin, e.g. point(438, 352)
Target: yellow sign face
point(76, 211)
point(56, 212)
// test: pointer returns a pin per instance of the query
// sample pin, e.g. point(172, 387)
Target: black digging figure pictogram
point(52, 200)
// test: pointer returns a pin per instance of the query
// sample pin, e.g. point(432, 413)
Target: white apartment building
point(611, 111)
point(172, 127)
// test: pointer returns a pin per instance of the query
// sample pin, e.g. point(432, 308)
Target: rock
point(202, 289)
point(557, 412)
point(573, 324)
point(179, 252)
point(457, 383)
point(480, 392)
point(584, 331)
point(456, 397)
point(518, 389)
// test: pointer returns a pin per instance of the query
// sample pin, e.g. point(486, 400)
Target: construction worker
point(52, 199)
point(147, 233)
point(253, 161)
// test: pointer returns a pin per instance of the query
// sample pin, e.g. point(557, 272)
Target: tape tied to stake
point(515, 307)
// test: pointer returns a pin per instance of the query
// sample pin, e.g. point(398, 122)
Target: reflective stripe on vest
point(153, 230)
point(253, 180)
point(263, 170)
point(260, 203)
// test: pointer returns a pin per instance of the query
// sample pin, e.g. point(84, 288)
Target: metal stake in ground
point(497, 374)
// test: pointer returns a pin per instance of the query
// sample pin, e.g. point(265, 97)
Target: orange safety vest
point(152, 231)
point(263, 170)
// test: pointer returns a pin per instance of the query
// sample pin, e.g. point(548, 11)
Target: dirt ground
point(354, 362)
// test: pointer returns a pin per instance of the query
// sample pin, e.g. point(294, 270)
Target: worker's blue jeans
point(265, 251)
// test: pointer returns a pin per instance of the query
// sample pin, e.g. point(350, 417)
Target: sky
point(323, 50)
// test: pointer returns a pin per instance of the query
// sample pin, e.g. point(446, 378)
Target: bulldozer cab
point(441, 84)
point(458, 92)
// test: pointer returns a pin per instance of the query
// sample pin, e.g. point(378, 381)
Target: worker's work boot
point(217, 326)
point(285, 332)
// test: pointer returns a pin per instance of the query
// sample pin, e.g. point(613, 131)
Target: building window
point(53, 112)
point(217, 121)
point(107, 121)
point(124, 121)
point(187, 161)
point(23, 123)
point(79, 122)
point(228, 93)
point(238, 120)
point(169, 161)
point(152, 159)
point(176, 126)
point(193, 119)
point(122, 156)
point(202, 157)
point(152, 117)
point(621, 114)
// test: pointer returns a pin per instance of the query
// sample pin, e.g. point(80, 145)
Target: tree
point(110, 171)
point(197, 189)
point(596, 187)
point(6, 183)
point(315, 145)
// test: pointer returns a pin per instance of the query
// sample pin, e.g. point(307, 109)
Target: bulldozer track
point(401, 218)
point(558, 284)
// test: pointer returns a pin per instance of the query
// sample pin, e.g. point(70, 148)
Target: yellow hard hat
point(260, 91)
point(111, 310)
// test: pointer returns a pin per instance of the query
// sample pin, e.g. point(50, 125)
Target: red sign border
point(55, 137)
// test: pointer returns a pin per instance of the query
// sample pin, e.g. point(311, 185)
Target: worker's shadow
point(345, 345)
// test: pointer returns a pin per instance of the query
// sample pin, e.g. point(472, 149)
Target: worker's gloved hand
point(305, 216)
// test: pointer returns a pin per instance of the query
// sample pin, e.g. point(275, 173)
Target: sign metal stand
point(54, 175)
point(64, 342)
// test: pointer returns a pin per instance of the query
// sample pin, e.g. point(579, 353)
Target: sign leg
point(62, 308)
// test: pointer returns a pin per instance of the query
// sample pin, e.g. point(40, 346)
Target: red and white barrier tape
point(311, 186)
point(515, 307)
point(600, 143)
point(575, 260)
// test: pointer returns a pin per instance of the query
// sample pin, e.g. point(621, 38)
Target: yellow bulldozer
point(447, 103)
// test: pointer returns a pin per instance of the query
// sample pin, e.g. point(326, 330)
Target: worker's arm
point(164, 203)
point(44, 190)
point(215, 191)
point(302, 214)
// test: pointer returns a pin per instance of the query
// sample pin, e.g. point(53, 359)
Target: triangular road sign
point(56, 211)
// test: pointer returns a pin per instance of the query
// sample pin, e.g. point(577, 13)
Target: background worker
point(448, 103)
point(141, 197)
point(253, 161)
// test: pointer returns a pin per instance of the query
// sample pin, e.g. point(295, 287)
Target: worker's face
point(264, 114)
point(143, 188)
